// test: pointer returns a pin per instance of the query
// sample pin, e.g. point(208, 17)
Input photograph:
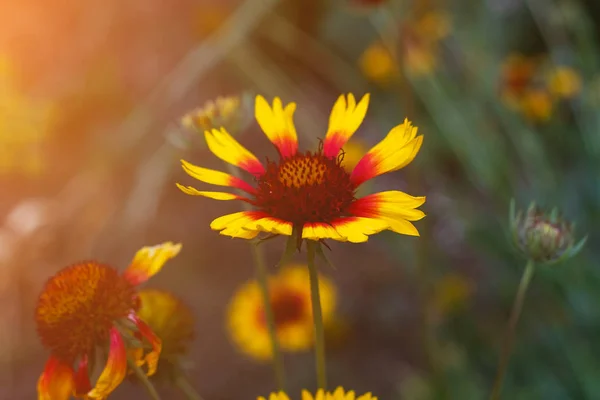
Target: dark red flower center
point(288, 307)
point(307, 187)
point(79, 306)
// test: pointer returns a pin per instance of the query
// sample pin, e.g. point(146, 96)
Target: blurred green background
point(506, 92)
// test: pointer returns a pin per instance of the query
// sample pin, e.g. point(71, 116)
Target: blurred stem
point(185, 386)
point(143, 378)
point(510, 330)
point(261, 275)
point(317, 315)
point(263, 283)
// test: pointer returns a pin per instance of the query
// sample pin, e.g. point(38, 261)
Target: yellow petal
point(149, 260)
point(211, 195)
point(215, 177)
point(271, 225)
point(317, 231)
point(235, 224)
point(357, 229)
point(393, 204)
point(346, 116)
point(395, 151)
point(115, 370)
point(224, 146)
point(278, 124)
point(56, 382)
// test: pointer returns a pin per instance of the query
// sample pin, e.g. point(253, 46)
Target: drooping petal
point(82, 377)
point(151, 359)
point(395, 151)
point(346, 116)
point(224, 146)
point(277, 123)
point(56, 382)
point(115, 370)
point(211, 195)
point(149, 260)
point(235, 224)
point(358, 229)
point(271, 225)
point(320, 230)
point(215, 177)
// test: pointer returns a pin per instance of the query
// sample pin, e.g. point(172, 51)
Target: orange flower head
point(88, 306)
point(310, 195)
point(78, 307)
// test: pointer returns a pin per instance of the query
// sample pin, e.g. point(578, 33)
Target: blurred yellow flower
point(517, 73)
point(292, 310)
point(433, 26)
point(173, 322)
point(24, 124)
point(338, 394)
point(222, 112)
point(449, 294)
point(420, 42)
point(564, 82)
point(536, 105)
point(378, 64)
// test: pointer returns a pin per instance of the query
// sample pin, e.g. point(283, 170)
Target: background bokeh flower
point(289, 289)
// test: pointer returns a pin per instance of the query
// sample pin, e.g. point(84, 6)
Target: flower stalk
point(143, 379)
point(511, 328)
point(263, 283)
point(317, 315)
point(184, 385)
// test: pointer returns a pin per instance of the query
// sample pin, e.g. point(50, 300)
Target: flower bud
point(542, 237)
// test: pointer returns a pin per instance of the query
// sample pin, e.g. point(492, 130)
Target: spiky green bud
point(544, 237)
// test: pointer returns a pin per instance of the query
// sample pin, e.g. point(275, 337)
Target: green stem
point(261, 275)
point(184, 385)
point(262, 278)
point(511, 328)
point(317, 315)
point(143, 378)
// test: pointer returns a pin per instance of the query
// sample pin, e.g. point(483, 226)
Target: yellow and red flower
point(88, 306)
point(338, 394)
point(289, 290)
point(310, 194)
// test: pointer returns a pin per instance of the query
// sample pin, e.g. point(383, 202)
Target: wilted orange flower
point(88, 306)
point(536, 104)
point(420, 42)
point(309, 195)
point(517, 74)
point(292, 311)
point(338, 394)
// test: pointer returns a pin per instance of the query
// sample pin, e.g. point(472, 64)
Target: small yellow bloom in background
point(337, 394)
point(450, 294)
point(292, 310)
point(224, 111)
point(173, 322)
point(24, 125)
point(433, 26)
point(420, 59)
point(517, 74)
point(378, 64)
point(90, 306)
point(536, 105)
point(564, 82)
